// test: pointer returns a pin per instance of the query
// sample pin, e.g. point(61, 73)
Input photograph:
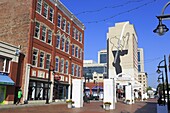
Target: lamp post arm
point(160, 63)
point(166, 5)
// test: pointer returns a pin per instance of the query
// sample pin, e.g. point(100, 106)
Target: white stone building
point(122, 46)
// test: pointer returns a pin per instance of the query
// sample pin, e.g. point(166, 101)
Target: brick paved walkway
point(93, 107)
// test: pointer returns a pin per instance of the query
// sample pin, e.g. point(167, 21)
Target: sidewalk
point(92, 107)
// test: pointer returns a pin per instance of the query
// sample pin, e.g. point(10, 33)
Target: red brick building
point(51, 37)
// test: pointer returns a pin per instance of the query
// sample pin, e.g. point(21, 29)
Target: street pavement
point(92, 107)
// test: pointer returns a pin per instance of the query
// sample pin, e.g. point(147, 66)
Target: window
point(43, 33)
point(49, 37)
point(48, 57)
point(72, 50)
point(37, 29)
point(80, 38)
point(39, 5)
point(72, 69)
point(66, 67)
point(62, 43)
point(77, 34)
point(64, 25)
point(79, 71)
point(80, 54)
point(74, 32)
point(62, 66)
point(4, 64)
point(138, 56)
point(56, 64)
point(68, 28)
point(76, 51)
point(139, 68)
point(58, 42)
point(45, 13)
point(76, 70)
point(41, 59)
point(51, 14)
point(67, 46)
point(59, 21)
point(35, 56)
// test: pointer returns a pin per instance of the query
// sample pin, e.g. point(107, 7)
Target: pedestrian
point(19, 96)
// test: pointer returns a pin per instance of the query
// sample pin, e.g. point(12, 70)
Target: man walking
point(19, 96)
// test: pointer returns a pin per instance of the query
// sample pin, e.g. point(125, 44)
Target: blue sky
point(141, 13)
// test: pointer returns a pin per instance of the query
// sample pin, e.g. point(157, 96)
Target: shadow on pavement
point(149, 107)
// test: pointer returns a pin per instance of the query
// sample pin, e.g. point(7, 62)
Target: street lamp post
point(161, 76)
point(166, 77)
point(161, 29)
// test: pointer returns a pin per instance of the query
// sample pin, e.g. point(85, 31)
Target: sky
point(99, 15)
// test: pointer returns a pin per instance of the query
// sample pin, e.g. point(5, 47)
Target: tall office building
point(122, 51)
point(102, 57)
point(142, 75)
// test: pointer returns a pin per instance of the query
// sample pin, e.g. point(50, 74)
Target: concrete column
point(27, 77)
point(77, 93)
point(69, 87)
point(51, 87)
point(109, 92)
point(128, 93)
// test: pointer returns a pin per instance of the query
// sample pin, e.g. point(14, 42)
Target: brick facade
point(18, 25)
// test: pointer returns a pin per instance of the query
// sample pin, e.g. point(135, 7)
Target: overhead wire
point(106, 7)
point(127, 11)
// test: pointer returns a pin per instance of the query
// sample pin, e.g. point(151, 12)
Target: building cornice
point(68, 13)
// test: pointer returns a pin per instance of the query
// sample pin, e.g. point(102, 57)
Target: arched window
point(62, 43)
point(58, 41)
point(67, 45)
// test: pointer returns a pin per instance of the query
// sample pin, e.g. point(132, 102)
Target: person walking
point(19, 96)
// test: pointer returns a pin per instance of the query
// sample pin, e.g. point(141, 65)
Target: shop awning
point(5, 80)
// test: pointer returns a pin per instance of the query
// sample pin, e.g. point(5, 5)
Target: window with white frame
point(67, 66)
point(58, 41)
point(64, 24)
point(76, 66)
point(80, 38)
point(49, 41)
point(74, 32)
point(59, 21)
point(80, 55)
point(57, 64)
point(37, 29)
point(62, 66)
point(45, 13)
point(43, 38)
point(77, 35)
point(39, 5)
point(76, 52)
point(67, 46)
point(68, 28)
point(51, 16)
point(41, 59)
point(4, 64)
point(62, 43)
point(79, 71)
point(35, 57)
point(72, 69)
point(48, 57)
point(73, 50)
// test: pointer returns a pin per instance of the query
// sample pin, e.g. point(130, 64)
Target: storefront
point(37, 90)
point(60, 90)
point(5, 81)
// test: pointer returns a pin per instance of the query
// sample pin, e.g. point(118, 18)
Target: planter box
point(69, 105)
point(107, 106)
